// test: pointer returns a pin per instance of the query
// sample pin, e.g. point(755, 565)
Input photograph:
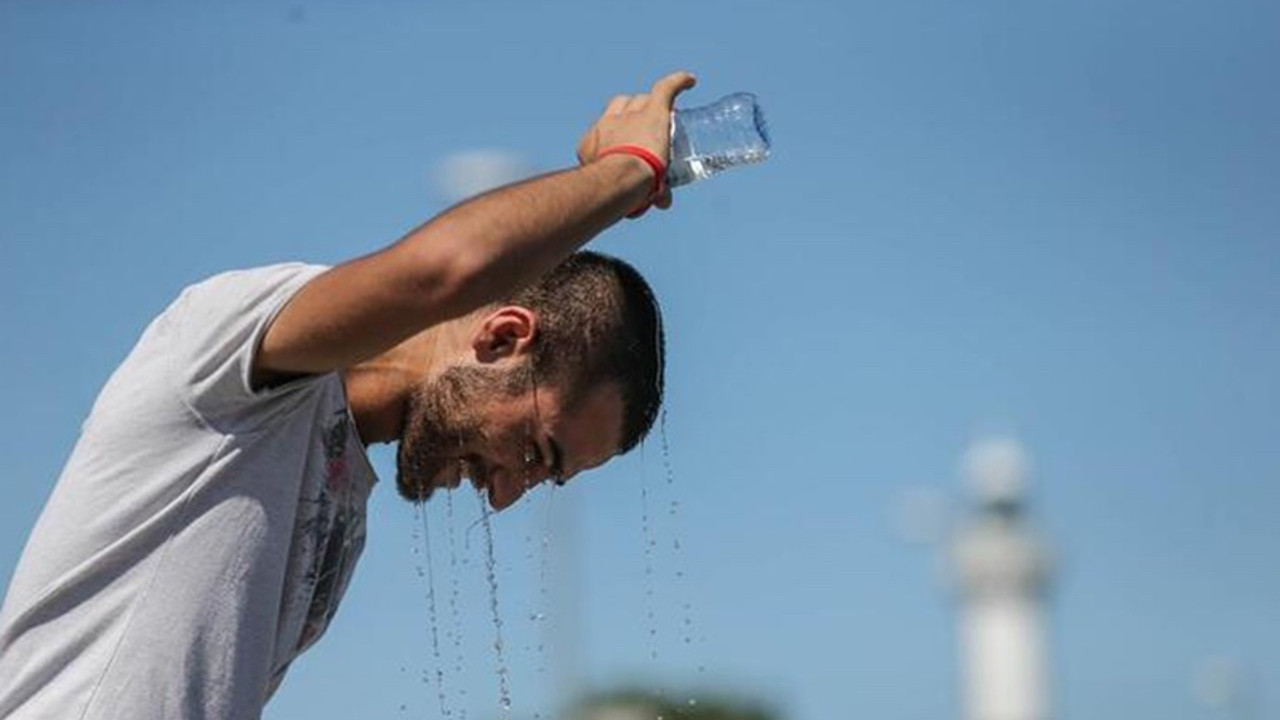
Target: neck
point(378, 389)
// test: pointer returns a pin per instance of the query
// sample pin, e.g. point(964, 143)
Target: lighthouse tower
point(1002, 570)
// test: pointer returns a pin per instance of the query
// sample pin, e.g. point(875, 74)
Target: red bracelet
point(655, 164)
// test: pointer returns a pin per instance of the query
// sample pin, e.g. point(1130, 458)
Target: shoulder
point(217, 328)
point(255, 281)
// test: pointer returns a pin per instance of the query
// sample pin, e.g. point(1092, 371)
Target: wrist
point(638, 157)
point(632, 171)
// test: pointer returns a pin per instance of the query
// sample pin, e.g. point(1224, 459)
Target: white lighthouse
point(1002, 570)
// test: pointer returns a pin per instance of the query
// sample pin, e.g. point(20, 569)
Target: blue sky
point(1056, 220)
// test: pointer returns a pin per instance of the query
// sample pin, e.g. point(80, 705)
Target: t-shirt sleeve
point(220, 326)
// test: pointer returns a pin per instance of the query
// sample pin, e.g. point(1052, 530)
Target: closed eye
point(534, 457)
point(557, 462)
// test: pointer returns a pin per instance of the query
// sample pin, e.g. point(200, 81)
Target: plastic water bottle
point(706, 140)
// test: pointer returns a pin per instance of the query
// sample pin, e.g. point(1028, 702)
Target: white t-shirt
point(201, 534)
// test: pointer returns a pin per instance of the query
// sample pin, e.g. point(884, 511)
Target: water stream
point(454, 593)
point(491, 575)
point(437, 658)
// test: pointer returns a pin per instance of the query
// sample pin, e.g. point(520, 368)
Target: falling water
point(686, 607)
point(415, 546)
point(646, 531)
point(542, 609)
point(544, 572)
point(455, 618)
point(536, 615)
point(491, 574)
point(429, 574)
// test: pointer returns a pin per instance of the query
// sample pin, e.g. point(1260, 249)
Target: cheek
point(503, 444)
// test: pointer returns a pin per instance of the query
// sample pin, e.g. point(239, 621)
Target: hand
point(643, 120)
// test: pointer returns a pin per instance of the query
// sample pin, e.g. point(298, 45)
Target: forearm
point(470, 255)
point(486, 248)
point(475, 253)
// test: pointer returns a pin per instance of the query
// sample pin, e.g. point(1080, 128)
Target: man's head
point(561, 376)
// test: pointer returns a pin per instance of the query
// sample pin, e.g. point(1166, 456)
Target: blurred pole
point(1003, 573)
point(1223, 685)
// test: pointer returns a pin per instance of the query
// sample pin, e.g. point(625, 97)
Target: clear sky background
point(1059, 220)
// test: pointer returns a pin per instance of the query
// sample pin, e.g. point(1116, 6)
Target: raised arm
point(476, 252)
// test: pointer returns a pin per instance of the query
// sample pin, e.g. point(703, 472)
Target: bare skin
point(399, 320)
point(505, 443)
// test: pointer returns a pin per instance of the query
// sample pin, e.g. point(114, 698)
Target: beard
point(441, 425)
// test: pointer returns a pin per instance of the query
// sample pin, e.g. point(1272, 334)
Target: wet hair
point(599, 322)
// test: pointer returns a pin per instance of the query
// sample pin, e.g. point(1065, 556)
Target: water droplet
point(693, 702)
point(491, 574)
point(426, 570)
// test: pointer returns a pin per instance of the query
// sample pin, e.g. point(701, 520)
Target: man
point(207, 523)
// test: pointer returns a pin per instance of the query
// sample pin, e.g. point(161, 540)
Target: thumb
point(666, 89)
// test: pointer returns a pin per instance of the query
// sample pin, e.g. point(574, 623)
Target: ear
point(507, 332)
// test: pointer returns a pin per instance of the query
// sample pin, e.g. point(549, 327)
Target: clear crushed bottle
point(712, 138)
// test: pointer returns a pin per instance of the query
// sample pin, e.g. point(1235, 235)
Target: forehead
point(589, 431)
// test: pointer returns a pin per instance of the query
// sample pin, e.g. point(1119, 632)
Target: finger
point(616, 105)
point(637, 102)
point(666, 89)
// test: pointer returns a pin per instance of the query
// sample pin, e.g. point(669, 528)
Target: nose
point(506, 488)
point(500, 501)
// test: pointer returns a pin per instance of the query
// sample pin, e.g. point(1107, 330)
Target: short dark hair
point(600, 323)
